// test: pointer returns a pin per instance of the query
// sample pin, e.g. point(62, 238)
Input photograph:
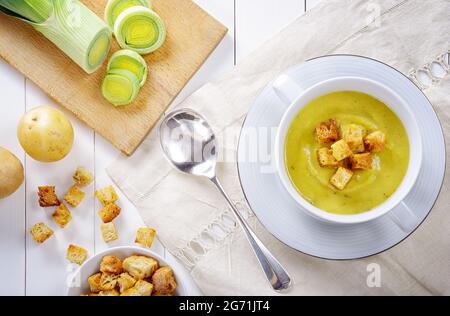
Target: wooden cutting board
point(192, 35)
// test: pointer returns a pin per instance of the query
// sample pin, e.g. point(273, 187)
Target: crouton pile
point(346, 149)
point(109, 211)
point(62, 216)
point(108, 197)
point(135, 276)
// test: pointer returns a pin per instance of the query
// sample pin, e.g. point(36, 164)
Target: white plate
point(92, 265)
point(281, 215)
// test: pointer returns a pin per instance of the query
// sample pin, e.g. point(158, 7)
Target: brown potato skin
point(11, 173)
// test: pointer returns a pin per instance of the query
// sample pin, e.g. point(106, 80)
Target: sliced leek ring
point(131, 61)
point(115, 7)
point(140, 29)
point(120, 87)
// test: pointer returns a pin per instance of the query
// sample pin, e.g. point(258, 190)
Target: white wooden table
point(31, 269)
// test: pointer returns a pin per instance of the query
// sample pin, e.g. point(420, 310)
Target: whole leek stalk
point(69, 24)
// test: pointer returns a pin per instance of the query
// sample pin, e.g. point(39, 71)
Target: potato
point(11, 173)
point(46, 134)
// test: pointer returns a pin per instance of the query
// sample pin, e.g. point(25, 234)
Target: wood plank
point(12, 209)
point(222, 59)
point(129, 220)
point(47, 268)
point(192, 35)
point(258, 20)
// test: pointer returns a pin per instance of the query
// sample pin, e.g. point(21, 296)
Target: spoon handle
point(275, 273)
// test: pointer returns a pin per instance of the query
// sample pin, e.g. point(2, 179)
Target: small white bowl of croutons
point(126, 271)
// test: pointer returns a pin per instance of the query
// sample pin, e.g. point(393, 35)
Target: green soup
point(368, 188)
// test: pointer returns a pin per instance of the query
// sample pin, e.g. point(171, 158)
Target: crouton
point(74, 196)
point(326, 159)
point(109, 293)
point(145, 236)
point(327, 132)
point(109, 212)
point(346, 163)
point(82, 177)
point(76, 254)
point(144, 288)
point(47, 196)
point(106, 195)
point(354, 136)
point(341, 150)
point(62, 215)
point(41, 232)
point(362, 161)
point(130, 292)
point(94, 282)
point(109, 232)
point(141, 288)
point(111, 264)
point(140, 267)
point(164, 281)
point(341, 178)
point(375, 142)
point(108, 281)
point(125, 282)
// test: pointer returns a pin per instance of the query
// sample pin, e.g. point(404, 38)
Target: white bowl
point(92, 266)
point(378, 91)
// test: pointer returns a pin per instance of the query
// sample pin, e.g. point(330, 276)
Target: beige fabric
point(407, 35)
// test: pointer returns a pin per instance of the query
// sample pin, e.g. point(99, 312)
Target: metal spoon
point(190, 146)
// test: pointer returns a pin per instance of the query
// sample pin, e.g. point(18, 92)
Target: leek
point(120, 87)
point(140, 29)
point(69, 24)
point(37, 11)
point(131, 61)
point(115, 7)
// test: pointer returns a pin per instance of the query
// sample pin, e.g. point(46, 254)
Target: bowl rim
point(384, 208)
point(139, 251)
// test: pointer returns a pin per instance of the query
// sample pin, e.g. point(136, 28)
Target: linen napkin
point(192, 218)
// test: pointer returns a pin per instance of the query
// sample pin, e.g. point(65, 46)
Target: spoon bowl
point(189, 143)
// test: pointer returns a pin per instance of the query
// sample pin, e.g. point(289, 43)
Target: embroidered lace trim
point(212, 237)
point(432, 73)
